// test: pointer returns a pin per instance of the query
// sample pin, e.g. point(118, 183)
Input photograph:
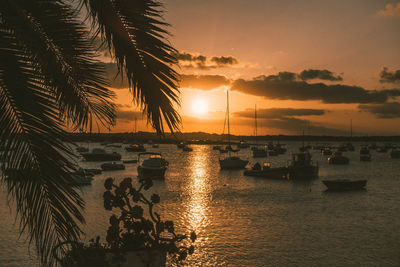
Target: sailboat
point(258, 152)
point(231, 162)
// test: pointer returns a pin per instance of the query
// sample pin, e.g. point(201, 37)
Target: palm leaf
point(135, 34)
point(48, 78)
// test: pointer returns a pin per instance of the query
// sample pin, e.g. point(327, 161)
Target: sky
point(306, 65)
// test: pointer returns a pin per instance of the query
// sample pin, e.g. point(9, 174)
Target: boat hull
point(345, 185)
point(231, 164)
point(153, 173)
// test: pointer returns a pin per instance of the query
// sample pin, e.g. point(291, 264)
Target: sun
point(199, 106)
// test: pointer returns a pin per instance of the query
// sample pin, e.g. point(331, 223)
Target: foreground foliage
point(135, 229)
point(50, 80)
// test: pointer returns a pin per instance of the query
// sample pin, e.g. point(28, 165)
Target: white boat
point(231, 162)
point(154, 166)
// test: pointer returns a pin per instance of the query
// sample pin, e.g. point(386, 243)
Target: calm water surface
point(244, 221)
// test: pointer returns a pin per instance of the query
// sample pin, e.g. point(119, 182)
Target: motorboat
point(135, 148)
point(338, 159)
point(243, 144)
point(302, 167)
point(154, 166)
point(187, 148)
point(266, 171)
point(280, 149)
point(344, 184)
point(112, 166)
point(99, 154)
point(232, 162)
point(364, 154)
point(180, 145)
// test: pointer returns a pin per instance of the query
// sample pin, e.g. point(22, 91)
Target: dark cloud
point(189, 60)
point(384, 111)
point(319, 74)
point(295, 126)
point(205, 82)
point(284, 87)
point(388, 76)
point(222, 61)
point(279, 112)
point(285, 119)
point(128, 115)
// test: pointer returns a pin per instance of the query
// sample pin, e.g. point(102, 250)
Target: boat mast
point(227, 110)
point(351, 128)
point(255, 121)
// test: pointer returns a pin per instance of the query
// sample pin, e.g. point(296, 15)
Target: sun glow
point(199, 107)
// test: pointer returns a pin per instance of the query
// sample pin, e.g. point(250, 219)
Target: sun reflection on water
point(198, 189)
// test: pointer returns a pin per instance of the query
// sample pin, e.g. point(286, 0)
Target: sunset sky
point(311, 65)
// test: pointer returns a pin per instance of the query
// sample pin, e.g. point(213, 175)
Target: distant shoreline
point(206, 138)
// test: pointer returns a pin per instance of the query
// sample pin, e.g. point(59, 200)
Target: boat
point(280, 149)
point(112, 166)
point(231, 162)
point(258, 152)
point(217, 147)
point(187, 148)
point(135, 148)
point(344, 184)
point(267, 171)
point(394, 153)
point(155, 146)
point(302, 167)
point(128, 161)
point(114, 145)
point(243, 144)
point(99, 154)
point(364, 154)
point(338, 159)
point(154, 166)
point(180, 144)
